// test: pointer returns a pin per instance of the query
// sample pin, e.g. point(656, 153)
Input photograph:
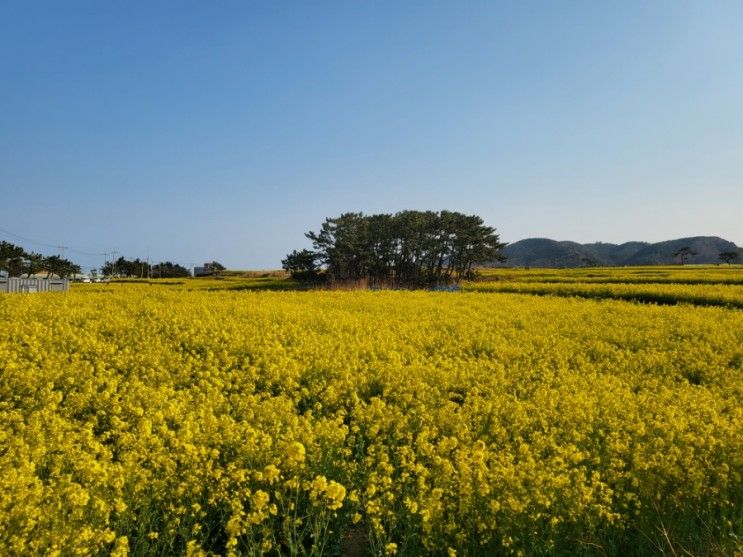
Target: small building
point(208, 269)
point(28, 285)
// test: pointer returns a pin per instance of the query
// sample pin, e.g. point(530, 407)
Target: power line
point(61, 248)
point(24, 239)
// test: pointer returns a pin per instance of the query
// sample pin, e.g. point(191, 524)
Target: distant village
point(24, 271)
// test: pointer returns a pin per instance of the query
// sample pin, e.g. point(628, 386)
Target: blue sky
point(224, 130)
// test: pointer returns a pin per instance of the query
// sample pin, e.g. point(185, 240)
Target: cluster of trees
point(730, 257)
point(684, 253)
point(209, 268)
point(213, 267)
point(16, 262)
point(409, 248)
point(123, 267)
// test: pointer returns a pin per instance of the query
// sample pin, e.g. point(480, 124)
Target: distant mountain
point(543, 252)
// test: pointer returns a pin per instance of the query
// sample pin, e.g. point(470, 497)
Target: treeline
point(16, 262)
point(136, 268)
point(412, 248)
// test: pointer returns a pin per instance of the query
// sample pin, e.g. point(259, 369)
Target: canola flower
point(725, 295)
point(654, 274)
point(148, 421)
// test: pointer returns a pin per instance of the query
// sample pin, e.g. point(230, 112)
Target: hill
point(543, 252)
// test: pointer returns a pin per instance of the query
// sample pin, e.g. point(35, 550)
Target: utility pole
point(114, 253)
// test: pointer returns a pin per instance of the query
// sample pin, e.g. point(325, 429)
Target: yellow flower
point(447, 418)
point(121, 547)
point(271, 473)
point(193, 549)
point(296, 452)
point(318, 485)
point(335, 493)
point(260, 499)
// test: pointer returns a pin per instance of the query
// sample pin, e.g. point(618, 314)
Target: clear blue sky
point(224, 130)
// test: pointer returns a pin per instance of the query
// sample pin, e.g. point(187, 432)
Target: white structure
point(15, 284)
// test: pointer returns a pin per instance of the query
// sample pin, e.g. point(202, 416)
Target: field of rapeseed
point(157, 420)
point(699, 285)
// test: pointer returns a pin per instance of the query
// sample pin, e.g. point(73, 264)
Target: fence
point(14, 284)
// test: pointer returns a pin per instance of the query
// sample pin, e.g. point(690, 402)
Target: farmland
point(532, 413)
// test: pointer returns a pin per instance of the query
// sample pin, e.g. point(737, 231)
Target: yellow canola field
point(148, 421)
point(727, 295)
point(669, 274)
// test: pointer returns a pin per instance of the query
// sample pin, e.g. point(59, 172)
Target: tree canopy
point(409, 247)
point(16, 261)
point(730, 257)
point(214, 267)
point(123, 267)
point(302, 264)
point(684, 253)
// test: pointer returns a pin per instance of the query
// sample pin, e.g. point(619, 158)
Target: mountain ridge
point(545, 252)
